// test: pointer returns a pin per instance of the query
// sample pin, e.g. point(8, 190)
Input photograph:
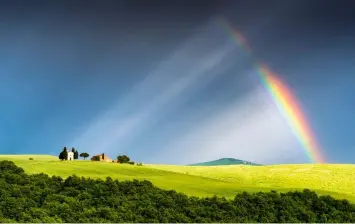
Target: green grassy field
point(335, 180)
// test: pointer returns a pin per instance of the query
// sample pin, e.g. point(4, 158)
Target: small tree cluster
point(76, 154)
point(63, 155)
point(123, 159)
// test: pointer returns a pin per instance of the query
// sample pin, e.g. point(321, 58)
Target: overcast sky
point(163, 82)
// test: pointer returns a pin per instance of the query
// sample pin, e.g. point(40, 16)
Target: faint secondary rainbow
point(284, 99)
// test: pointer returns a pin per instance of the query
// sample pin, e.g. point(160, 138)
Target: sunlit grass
point(326, 177)
point(332, 179)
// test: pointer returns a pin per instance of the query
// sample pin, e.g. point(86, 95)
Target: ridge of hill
point(225, 161)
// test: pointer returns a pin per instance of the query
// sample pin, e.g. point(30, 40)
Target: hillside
point(335, 180)
point(225, 161)
point(44, 199)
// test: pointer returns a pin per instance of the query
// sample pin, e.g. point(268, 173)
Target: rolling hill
point(225, 161)
point(329, 179)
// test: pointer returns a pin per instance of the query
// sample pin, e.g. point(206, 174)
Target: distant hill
point(225, 161)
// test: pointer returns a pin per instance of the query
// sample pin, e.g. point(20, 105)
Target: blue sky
point(164, 83)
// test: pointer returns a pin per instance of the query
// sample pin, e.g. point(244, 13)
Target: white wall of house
point(70, 156)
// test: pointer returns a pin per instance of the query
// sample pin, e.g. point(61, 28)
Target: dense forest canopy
point(40, 198)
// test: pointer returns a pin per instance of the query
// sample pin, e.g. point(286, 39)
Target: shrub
point(30, 158)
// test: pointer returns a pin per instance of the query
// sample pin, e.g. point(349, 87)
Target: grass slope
point(225, 161)
point(335, 180)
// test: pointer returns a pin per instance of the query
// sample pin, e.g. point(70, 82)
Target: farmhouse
point(101, 157)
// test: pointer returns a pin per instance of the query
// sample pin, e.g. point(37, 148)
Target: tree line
point(63, 155)
point(40, 198)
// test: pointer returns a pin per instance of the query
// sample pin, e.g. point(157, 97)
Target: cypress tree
point(61, 156)
point(76, 154)
point(65, 153)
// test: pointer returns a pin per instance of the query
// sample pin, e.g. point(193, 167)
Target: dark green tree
point(84, 155)
point(65, 153)
point(123, 159)
point(61, 155)
point(76, 154)
point(103, 156)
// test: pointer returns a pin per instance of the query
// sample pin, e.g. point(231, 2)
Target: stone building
point(101, 157)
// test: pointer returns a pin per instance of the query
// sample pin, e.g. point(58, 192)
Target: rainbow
point(291, 110)
point(234, 34)
point(282, 96)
